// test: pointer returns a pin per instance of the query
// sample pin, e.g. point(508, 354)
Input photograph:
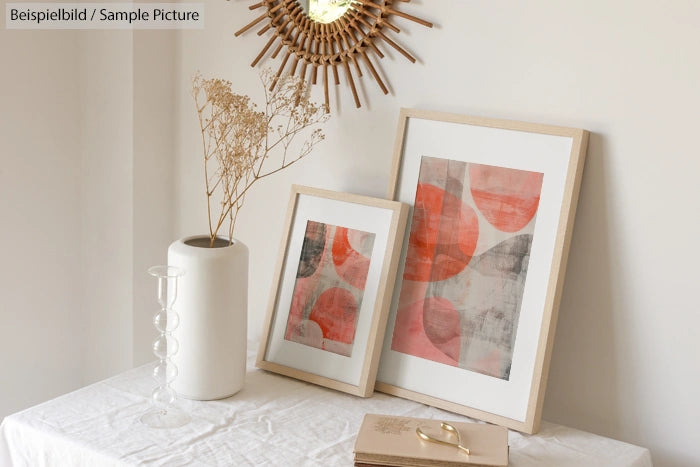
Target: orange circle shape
point(335, 311)
point(350, 264)
point(444, 233)
point(508, 198)
point(428, 329)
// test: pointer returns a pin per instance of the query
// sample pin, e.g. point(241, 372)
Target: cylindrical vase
point(213, 306)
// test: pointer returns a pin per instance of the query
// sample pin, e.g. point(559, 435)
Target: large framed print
point(332, 289)
point(474, 309)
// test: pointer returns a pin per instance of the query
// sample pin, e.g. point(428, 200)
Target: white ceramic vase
point(213, 306)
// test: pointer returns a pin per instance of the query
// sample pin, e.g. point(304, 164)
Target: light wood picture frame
point(481, 272)
point(332, 289)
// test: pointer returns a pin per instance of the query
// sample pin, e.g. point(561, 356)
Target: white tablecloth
point(274, 420)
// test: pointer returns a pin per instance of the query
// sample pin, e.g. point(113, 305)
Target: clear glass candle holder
point(164, 413)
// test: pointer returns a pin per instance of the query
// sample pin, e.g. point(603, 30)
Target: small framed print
point(332, 289)
point(474, 310)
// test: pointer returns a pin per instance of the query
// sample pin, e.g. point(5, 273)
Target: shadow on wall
point(583, 388)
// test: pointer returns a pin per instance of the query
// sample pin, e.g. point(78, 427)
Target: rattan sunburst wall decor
point(319, 41)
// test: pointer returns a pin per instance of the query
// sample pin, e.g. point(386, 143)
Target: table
point(274, 420)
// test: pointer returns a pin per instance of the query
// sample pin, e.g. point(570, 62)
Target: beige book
point(393, 441)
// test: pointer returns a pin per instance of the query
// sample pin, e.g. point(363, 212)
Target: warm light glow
point(327, 11)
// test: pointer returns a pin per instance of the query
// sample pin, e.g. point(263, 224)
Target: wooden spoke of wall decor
point(335, 48)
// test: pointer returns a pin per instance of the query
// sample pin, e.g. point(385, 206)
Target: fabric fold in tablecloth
point(274, 420)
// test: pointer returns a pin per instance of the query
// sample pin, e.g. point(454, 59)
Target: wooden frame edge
point(579, 147)
point(574, 173)
point(405, 114)
point(451, 406)
point(390, 260)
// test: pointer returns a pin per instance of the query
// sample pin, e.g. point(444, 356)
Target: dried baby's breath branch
point(238, 139)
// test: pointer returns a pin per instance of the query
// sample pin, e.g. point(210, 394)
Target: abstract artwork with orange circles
point(466, 264)
point(329, 287)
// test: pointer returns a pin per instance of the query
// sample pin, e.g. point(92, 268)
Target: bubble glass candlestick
point(166, 320)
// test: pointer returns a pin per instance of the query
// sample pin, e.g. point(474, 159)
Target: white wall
point(40, 323)
point(107, 167)
point(625, 361)
point(85, 208)
point(154, 154)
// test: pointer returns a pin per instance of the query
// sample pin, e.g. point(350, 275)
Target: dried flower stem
point(238, 139)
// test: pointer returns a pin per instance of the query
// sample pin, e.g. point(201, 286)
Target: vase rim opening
point(204, 241)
